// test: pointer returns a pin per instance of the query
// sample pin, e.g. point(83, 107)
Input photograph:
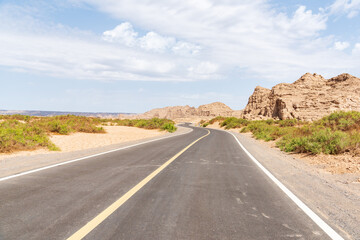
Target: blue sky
point(132, 56)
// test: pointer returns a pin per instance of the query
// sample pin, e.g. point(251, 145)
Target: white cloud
point(248, 35)
point(303, 23)
point(186, 49)
point(356, 49)
point(54, 50)
point(151, 41)
point(349, 7)
point(341, 45)
point(184, 42)
point(77, 58)
point(123, 33)
point(203, 70)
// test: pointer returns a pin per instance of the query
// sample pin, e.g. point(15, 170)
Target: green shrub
point(288, 122)
point(154, 123)
point(19, 117)
point(17, 136)
point(233, 122)
point(344, 121)
point(67, 124)
point(270, 121)
point(169, 127)
point(325, 141)
point(217, 119)
point(205, 124)
point(333, 134)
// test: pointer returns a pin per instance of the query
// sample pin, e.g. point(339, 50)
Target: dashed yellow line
point(82, 232)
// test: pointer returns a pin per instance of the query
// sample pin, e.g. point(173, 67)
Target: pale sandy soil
point(339, 164)
point(215, 125)
point(194, 120)
point(81, 141)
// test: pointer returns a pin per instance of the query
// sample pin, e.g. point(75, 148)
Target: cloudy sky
point(131, 56)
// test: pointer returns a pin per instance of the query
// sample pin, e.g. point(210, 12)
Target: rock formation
point(181, 112)
point(309, 98)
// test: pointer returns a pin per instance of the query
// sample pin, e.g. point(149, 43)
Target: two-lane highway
point(205, 187)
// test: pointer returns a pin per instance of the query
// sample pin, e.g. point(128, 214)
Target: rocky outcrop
point(170, 112)
point(309, 98)
point(180, 112)
point(214, 109)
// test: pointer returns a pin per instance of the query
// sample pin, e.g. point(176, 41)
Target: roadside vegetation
point(154, 123)
point(20, 132)
point(334, 134)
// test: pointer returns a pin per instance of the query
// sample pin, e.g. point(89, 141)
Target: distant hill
point(186, 112)
point(57, 113)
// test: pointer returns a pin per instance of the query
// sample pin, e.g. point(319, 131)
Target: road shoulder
point(332, 197)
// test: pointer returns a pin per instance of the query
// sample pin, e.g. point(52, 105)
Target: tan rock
point(309, 98)
point(214, 109)
point(206, 111)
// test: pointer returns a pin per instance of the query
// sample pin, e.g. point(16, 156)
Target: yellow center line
point(82, 232)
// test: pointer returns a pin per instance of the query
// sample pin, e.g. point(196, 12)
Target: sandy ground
point(195, 120)
point(215, 126)
point(82, 141)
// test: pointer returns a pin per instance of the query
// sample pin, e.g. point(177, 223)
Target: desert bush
point(288, 122)
point(18, 117)
point(265, 131)
point(168, 127)
point(233, 122)
point(323, 141)
point(217, 119)
point(205, 124)
point(344, 121)
point(67, 124)
point(16, 136)
point(333, 134)
point(154, 123)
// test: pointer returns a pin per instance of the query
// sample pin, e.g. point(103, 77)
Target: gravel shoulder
point(25, 161)
point(334, 197)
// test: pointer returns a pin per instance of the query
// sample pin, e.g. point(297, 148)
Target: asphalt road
point(211, 191)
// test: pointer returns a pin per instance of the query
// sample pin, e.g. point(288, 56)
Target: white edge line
point(323, 225)
point(83, 158)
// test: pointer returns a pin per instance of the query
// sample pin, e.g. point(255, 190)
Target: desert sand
point(81, 141)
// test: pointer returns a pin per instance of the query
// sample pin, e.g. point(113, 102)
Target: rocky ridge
point(309, 98)
point(182, 112)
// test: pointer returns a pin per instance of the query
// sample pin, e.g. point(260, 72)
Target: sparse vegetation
point(19, 132)
point(168, 127)
point(336, 133)
point(233, 122)
point(205, 124)
point(217, 119)
point(154, 123)
point(16, 136)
